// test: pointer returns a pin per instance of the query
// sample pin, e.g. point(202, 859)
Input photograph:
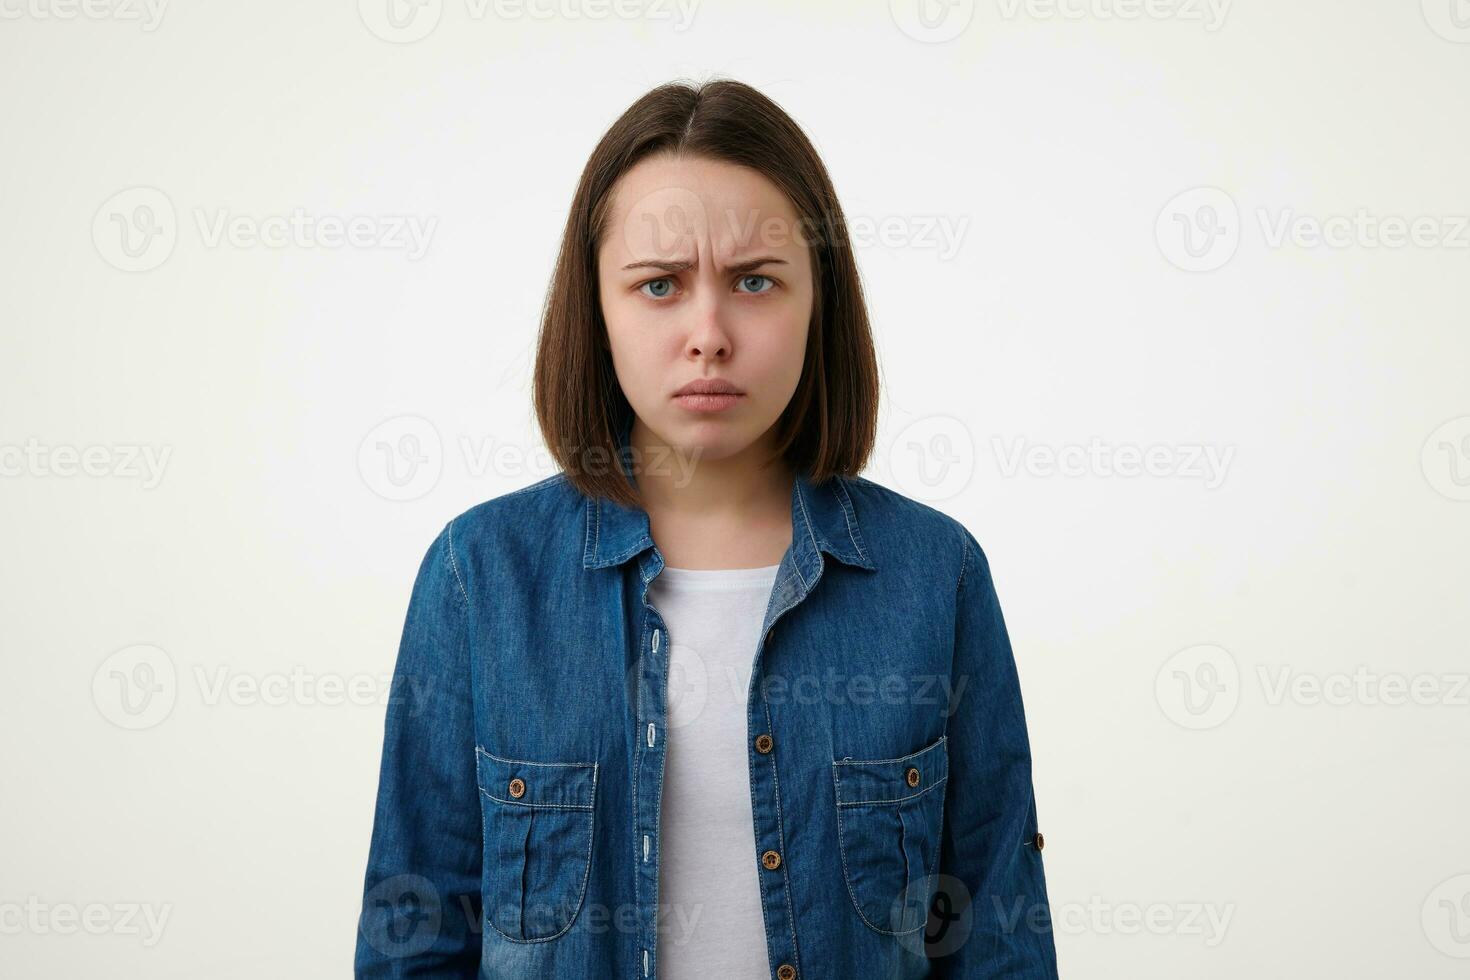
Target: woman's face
point(704, 274)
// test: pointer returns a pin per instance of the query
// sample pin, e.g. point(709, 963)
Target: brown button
point(912, 777)
point(771, 860)
point(1038, 841)
point(785, 972)
point(517, 788)
point(763, 744)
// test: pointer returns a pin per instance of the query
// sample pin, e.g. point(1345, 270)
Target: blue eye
point(756, 292)
point(668, 284)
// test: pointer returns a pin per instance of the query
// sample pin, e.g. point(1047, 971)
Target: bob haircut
point(830, 424)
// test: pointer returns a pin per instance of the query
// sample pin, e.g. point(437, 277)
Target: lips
point(708, 395)
point(708, 386)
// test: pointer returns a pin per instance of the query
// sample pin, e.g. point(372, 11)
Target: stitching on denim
point(594, 529)
point(658, 811)
point(637, 546)
point(454, 563)
point(781, 837)
point(541, 484)
point(527, 762)
point(760, 879)
point(939, 846)
point(593, 537)
point(810, 533)
point(964, 565)
point(899, 799)
point(841, 841)
point(586, 863)
point(633, 807)
point(878, 762)
point(755, 807)
point(591, 790)
point(537, 806)
point(850, 515)
point(847, 879)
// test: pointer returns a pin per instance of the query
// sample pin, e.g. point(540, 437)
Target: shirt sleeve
point(421, 895)
point(991, 917)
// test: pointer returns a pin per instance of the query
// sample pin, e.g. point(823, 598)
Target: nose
point(708, 339)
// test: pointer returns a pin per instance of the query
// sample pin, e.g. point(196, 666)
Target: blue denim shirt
point(516, 832)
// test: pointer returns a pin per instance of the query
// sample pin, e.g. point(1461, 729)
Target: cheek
point(638, 353)
point(780, 349)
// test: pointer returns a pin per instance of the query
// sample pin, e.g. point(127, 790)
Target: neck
point(674, 482)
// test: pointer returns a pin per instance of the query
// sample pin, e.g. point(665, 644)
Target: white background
point(1202, 819)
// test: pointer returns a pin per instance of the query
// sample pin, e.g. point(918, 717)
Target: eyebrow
point(749, 265)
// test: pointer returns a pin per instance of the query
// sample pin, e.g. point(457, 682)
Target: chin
point(710, 439)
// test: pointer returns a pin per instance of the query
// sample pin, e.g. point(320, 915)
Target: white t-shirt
point(709, 919)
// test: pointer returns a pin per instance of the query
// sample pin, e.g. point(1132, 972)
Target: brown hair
point(830, 424)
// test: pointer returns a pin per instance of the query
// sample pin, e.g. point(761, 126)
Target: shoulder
point(904, 529)
point(523, 516)
point(552, 491)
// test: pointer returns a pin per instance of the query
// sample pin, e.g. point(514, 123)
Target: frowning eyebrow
point(737, 268)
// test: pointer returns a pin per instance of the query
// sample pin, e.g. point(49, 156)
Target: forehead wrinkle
point(681, 265)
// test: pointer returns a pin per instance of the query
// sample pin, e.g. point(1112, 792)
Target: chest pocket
point(890, 813)
point(538, 843)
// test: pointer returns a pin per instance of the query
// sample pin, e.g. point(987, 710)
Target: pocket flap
point(546, 784)
point(891, 780)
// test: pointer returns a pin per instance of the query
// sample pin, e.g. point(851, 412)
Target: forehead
point(665, 206)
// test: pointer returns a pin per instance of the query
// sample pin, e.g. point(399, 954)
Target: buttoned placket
point(790, 588)
point(628, 535)
point(648, 770)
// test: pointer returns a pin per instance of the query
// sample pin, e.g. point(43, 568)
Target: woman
point(705, 702)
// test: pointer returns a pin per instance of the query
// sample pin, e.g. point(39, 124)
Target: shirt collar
point(822, 520)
